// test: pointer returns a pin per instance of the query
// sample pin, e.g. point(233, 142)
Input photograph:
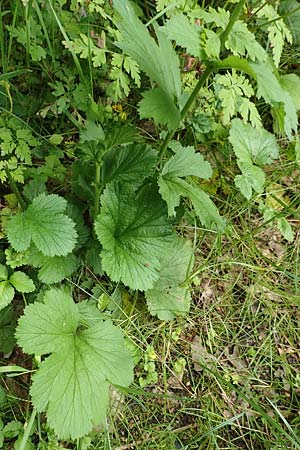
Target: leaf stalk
point(97, 188)
point(15, 190)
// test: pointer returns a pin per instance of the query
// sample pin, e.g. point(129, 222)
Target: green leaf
point(285, 229)
point(290, 11)
point(242, 42)
point(44, 223)
point(171, 189)
point(167, 299)
point(133, 230)
point(131, 164)
point(92, 132)
point(254, 145)
point(291, 83)
point(212, 45)
point(73, 382)
point(19, 232)
point(157, 105)
point(34, 188)
point(55, 269)
point(252, 178)
point(120, 135)
point(274, 93)
point(158, 60)
point(171, 186)
point(7, 293)
point(185, 34)
point(21, 282)
point(7, 330)
point(218, 16)
point(187, 162)
point(39, 335)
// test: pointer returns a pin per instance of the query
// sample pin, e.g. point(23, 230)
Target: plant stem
point(211, 67)
point(15, 190)
point(27, 430)
point(233, 18)
point(97, 188)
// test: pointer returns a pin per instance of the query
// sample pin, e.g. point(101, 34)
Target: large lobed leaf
point(44, 223)
point(72, 384)
point(133, 230)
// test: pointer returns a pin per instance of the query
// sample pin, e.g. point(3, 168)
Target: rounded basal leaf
point(133, 230)
point(72, 384)
point(44, 223)
point(21, 282)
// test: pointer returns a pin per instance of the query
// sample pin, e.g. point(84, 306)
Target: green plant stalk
point(10, 35)
point(2, 46)
point(97, 189)
point(15, 190)
point(28, 31)
point(66, 37)
point(233, 18)
point(211, 67)
point(40, 17)
point(28, 430)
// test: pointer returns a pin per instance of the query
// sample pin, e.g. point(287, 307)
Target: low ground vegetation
point(149, 224)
